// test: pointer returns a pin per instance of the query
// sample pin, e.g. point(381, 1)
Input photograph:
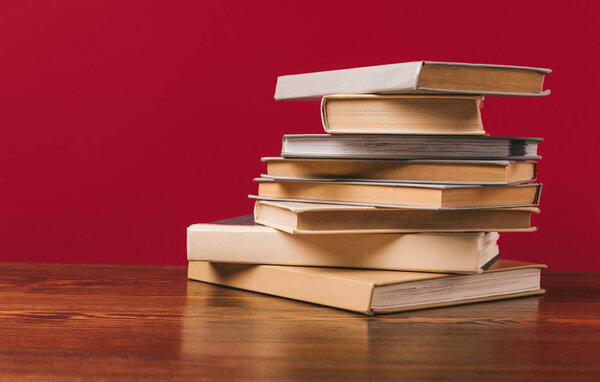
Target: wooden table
point(95, 322)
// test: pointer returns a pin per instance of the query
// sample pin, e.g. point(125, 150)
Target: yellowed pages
point(401, 114)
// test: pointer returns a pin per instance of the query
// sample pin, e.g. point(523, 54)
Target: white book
point(416, 77)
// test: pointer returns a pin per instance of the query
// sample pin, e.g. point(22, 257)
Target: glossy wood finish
point(94, 322)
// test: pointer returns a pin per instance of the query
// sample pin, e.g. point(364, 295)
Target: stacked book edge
point(399, 207)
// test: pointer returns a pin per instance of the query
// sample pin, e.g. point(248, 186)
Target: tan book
point(402, 114)
point(314, 218)
point(388, 194)
point(415, 78)
point(420, 171)
point(256, 244)
point(374, 292)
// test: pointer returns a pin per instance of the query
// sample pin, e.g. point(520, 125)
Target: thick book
point(375, 292)
point(416, 77)
point(417, 171)
point(373, 146)
point(402, 114)
point(256, 244)
point(313, 218)
point(397, 195)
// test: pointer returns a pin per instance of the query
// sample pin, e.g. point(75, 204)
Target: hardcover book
point(417, 171)
point(402, 114)
point(375, 292)
point(256, 244)
point(416, 77)
point(373, 146)
point(397, 195)
point(312, 218)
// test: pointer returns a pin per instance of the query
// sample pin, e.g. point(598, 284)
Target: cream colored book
point(256, 244)
point(418, 171)
point(374, 292)
point(314, 218)
point(414, 78)
point(397, 195)
point(402, 114)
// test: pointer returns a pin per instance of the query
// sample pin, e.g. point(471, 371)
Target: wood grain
point(94, 322)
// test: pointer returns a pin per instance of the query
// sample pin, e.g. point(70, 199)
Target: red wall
point(125, 121)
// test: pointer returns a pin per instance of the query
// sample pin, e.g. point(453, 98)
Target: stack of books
point(398, 207)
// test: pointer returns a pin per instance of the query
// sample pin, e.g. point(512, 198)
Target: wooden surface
point(91, 322)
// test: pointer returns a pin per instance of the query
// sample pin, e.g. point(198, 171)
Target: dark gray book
point(370, 146)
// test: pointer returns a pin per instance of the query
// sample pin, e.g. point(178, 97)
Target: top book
point(418, 77)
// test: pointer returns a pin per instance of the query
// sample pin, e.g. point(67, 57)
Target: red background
point(125, 121)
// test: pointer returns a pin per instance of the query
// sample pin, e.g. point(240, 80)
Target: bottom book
point(374, 291)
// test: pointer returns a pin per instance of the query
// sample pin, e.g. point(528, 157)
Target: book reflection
point(233, 327)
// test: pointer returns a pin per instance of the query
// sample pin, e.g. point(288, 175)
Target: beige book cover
point(314, 219)
point(416, 77)
point(430, 252)
point(373, 292)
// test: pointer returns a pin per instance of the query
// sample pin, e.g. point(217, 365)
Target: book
point(418, 171)
point(236, 242)
point(373, 146)
point(312, 218)
point(375, 292)
point(416, 77)
point(388, 194)
point(402, 114)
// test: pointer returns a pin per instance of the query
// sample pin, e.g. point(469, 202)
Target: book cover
point(374, 292)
